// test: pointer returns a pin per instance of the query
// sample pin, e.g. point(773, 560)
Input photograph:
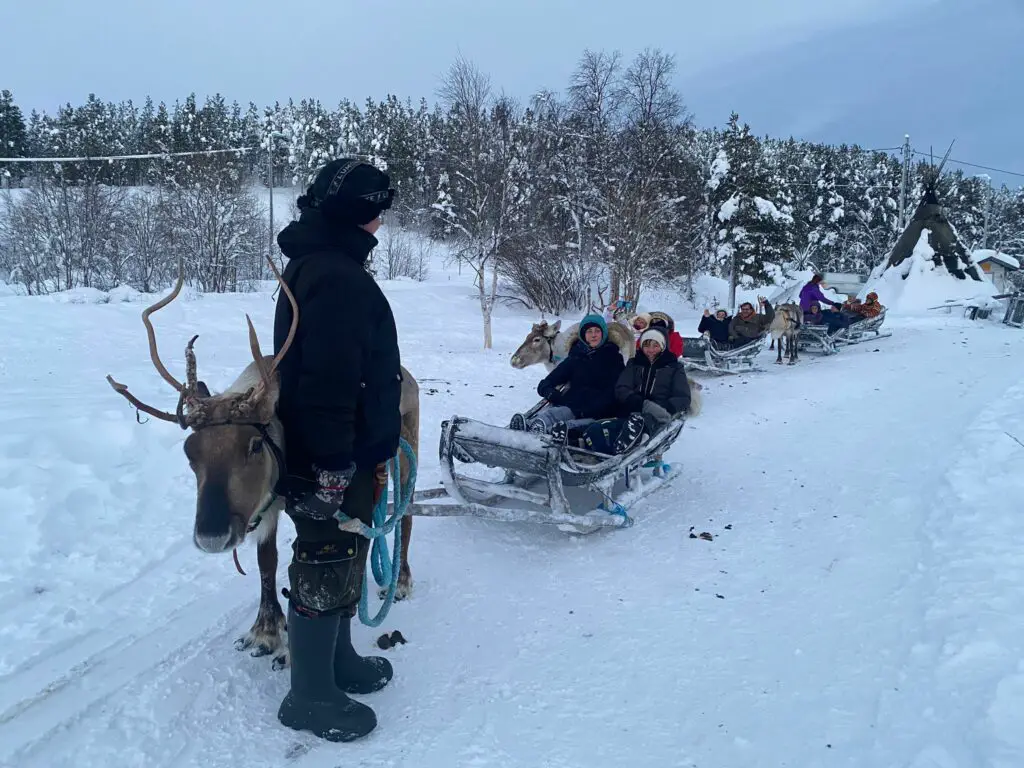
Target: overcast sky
point(855, 71)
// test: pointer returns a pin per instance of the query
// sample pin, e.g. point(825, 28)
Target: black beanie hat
point(349, 191)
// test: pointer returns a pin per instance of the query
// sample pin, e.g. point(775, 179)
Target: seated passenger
point(591, 369)
point(716, 327)
point(747, 326)
point(651, 390)
point(640, 323)
point(666, 323)
point(870, 306)
point(813, 315)
point(832, 320)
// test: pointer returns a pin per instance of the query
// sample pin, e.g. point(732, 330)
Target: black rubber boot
point(314, 703)
point(354, 673)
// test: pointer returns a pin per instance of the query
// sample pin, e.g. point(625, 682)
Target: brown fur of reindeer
point(236, 451)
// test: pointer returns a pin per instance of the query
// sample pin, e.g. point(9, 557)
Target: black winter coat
point(341, 381)
point(717, 329)
point(663, 382)
point(591, 375)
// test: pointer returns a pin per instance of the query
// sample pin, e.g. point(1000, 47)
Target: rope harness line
point(385, 570)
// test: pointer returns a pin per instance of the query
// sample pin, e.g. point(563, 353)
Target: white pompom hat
point(656, 335)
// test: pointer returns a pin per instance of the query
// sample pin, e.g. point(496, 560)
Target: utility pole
point(989, 194)
point(272, 138)
point(905, 181)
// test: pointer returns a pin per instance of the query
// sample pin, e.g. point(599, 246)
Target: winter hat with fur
point(656, 334)
point(349, 191)
point(594, 320)
point(643, 317)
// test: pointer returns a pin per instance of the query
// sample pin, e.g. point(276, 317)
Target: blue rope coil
point(387, 569)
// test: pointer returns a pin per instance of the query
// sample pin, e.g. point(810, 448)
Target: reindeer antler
point(139, 405)
point(193, 392)
point(267, 374)
point(154, 355)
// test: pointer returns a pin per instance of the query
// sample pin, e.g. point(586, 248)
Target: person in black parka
point(651, 391)
point(591, 369)
point(340, 392)
point(717, 326)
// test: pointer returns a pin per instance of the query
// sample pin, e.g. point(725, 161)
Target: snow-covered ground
point(861, 603)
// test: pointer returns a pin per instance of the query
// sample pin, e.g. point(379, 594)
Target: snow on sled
point(729, 361)
point(544, 482)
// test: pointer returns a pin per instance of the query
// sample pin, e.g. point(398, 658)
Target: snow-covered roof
point(997, 257)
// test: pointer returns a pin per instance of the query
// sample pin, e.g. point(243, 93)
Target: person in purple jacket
point(811, 293)
point(811, 296)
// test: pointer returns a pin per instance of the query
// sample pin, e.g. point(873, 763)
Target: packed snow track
point(860, 602)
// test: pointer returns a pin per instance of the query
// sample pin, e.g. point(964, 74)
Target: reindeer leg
point(411, 434)
point(778, 356)
point(404, 588)
point(267, 633)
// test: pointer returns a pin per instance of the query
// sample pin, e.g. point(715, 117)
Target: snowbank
point(918, 285)
point(123, 294)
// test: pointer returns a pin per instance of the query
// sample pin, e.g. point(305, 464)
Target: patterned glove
point(329, 495)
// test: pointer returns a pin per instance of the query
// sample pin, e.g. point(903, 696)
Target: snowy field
point(861, 603)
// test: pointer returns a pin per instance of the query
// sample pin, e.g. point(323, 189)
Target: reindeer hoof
point(402, 591)
point(263, 640)
point(280, 662)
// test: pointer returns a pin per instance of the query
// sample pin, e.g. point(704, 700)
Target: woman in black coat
point(651, 390)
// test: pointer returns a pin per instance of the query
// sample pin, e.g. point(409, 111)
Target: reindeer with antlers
point(237, 452)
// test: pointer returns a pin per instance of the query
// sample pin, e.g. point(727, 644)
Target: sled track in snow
point(107, 667)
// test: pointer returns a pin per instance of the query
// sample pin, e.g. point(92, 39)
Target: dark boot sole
point(327, 720)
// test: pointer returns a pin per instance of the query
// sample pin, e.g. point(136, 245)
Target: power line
point(110, 158)
point(974, 165)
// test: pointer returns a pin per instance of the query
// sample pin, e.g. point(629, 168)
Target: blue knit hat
point(592, 320)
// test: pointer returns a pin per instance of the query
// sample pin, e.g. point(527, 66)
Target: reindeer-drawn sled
point(816, 338)
point(539, 480)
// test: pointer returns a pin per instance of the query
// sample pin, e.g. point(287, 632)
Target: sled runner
point(863, 330)
point(816, 338)
point(729, 361)
point(543, 482)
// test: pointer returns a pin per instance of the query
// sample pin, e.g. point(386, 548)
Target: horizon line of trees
point(567, 201)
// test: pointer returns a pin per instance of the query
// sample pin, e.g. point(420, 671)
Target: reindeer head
point(236, 448)
point(537, 346)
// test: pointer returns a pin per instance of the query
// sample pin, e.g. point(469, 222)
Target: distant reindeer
point(237, 453)
point(786, 327)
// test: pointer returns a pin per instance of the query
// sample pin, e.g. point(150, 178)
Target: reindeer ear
point(202, 389)
point(554, 327)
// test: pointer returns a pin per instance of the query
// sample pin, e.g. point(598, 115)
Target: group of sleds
point(728, 345)
point(593, 444)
